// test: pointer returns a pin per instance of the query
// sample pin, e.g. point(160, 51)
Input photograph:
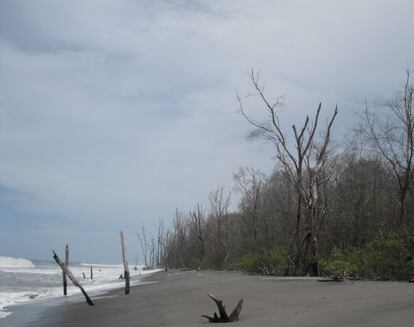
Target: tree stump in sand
point(224, 317)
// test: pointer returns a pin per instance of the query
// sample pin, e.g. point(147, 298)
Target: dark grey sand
point(179, 299)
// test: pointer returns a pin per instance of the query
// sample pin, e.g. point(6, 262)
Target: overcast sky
point(114, 113)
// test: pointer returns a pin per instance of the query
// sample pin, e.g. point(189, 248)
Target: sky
point(114, 113)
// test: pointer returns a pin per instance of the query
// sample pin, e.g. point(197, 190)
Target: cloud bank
point(114, 113)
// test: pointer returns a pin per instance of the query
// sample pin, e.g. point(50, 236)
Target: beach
point(179, 298)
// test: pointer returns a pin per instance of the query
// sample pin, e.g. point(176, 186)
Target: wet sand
point(179, 299)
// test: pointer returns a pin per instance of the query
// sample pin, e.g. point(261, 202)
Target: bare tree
point(249, 182)
point(143, 240)
point(292, 158)
point(199, 230)
point(160, 240)
point(390, 131)
point(219, 213)
point(179, 242)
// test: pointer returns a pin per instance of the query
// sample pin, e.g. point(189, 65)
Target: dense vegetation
point(347, 210)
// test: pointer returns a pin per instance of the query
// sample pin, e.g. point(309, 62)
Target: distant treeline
point(344, 210)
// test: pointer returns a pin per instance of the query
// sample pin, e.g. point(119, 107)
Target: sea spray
point(23, 281)
point(10, 262)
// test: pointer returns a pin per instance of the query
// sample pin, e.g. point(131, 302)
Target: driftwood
point(124, 259)
point(72, 278)
point(65, 282)
point(224, 317)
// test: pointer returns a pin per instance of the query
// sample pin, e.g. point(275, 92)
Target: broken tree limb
point(124, 259)
point(224, 317)
point(72, 278)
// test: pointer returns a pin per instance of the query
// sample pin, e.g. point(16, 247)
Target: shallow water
point(23, 281)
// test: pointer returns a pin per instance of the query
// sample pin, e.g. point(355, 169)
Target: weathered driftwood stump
point(224, 317)
point(72, 277)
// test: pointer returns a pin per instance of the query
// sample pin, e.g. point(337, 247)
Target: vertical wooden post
point(65, 282)
point(72, 278)
point(91, 272)
point(124, 259)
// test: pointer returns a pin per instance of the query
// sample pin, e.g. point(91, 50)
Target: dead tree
point(198, 228)
point(72, 278)
point(124, 260)
point(160, 240)
point(65, 282)
point(393, 136)
point(224, 317)
point(144, 245)
point(179, 239)
point(291, 157)
point(219, 212)
point(249, 182)
point(315, 162)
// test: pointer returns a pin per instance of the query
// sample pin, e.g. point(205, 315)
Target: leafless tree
point(249, 182)
point(219, 222)
point(294, 158)
point(143, 241)
point(390, 130)
point(198, 230)
point(160, 240)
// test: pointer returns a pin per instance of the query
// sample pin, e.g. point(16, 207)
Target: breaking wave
point(10, 262)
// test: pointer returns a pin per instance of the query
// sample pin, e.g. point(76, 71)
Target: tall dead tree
point(124, 260)
point(160, 240)
point(145, 245)
point(249, 182)
point(292, 157)
point(219, 212)
point(65, 282)
point(179, 239)
point(390, 130)
point(315, 162)
point(198, 229)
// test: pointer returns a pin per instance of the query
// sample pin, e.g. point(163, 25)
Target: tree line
point(323, 210)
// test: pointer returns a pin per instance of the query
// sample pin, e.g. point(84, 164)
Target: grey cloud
point(112, 113)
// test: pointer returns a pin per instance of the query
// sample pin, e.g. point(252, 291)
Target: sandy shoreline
point(179, 299)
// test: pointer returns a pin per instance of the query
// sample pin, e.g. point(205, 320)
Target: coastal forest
point(330, 207)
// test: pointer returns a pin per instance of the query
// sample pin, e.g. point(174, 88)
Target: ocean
point(24, 281)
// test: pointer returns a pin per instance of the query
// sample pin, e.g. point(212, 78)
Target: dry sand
point(179, 299)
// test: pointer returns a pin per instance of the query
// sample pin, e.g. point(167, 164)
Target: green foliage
point(206, 263)
point(339, 264)
point(388, 255)
point(268, 263)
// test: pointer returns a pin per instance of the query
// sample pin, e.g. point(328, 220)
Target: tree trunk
point(65, 282)
point(124, 260)
point(72, 278)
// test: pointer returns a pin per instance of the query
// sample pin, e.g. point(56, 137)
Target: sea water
point(23, 281)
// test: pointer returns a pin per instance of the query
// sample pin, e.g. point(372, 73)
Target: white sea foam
point(44, 281)
point(4, 314)
point(100, 265)
point(10, 262)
